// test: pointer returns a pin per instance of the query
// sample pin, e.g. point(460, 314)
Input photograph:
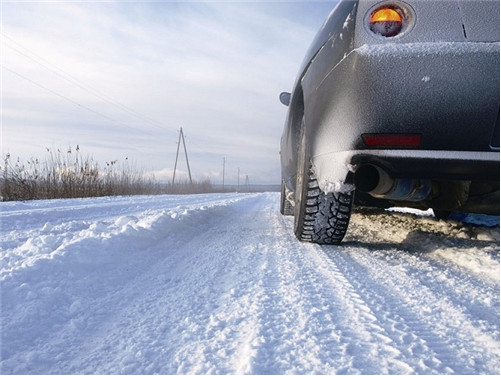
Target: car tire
point(286, 207)
point(319, 217)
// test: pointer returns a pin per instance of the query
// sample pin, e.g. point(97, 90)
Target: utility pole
point(181, 137)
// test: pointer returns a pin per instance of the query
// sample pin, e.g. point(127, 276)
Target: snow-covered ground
point(219, 284)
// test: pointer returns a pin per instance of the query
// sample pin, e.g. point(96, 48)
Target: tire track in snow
point(367, 347)
point(297, 331)
point(456, 264)
point(433, 334)
point(457, 261)
point(474, 297)
point(316, 308)
point(226, 342)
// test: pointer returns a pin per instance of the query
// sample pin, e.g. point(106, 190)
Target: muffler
point(378, 183)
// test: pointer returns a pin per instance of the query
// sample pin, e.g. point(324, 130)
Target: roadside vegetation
point(68, 174)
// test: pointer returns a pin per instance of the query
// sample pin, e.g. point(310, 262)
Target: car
point(395, 104)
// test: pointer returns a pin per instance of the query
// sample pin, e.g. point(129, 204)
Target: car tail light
point(391, 140)
point(387, 21)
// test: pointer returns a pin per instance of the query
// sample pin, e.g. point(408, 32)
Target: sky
point(218, 285)
point(120, 78)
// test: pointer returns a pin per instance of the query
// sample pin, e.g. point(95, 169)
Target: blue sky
point(120, 78)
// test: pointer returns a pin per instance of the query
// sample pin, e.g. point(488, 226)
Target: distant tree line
point(67, 174)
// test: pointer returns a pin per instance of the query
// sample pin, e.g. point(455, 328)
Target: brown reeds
point(66, 173)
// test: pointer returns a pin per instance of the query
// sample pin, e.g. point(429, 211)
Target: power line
point(70, 100)
point(57, 94)
point(69, 78)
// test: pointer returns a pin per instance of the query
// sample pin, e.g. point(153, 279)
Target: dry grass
point(67, 174)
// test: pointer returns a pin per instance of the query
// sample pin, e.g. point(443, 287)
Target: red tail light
point(376, 140)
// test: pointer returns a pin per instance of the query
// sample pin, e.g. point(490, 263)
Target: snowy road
point(218, 284)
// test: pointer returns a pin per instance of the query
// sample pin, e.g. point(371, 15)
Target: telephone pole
point(181, 137)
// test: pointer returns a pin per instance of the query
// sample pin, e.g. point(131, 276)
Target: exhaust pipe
point(378, 183)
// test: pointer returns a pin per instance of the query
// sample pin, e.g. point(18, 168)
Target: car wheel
point(318, 217)
point(285, 206)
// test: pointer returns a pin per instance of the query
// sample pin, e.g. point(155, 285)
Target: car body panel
point(438, 79)
point(480, 20)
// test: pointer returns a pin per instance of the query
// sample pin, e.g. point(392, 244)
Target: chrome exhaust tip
point(378, 183)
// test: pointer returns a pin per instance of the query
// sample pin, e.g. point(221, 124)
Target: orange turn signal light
point(386, 21)
point(386, 15)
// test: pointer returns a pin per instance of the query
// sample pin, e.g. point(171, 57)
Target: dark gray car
point(396, 104)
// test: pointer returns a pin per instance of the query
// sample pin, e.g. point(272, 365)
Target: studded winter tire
point(318, 217)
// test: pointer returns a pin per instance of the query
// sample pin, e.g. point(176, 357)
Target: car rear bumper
point(433, 165)
point(448, 174)
point(448, 93)
point(333, 169)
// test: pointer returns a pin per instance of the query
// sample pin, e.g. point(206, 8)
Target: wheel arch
point(297, 113)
